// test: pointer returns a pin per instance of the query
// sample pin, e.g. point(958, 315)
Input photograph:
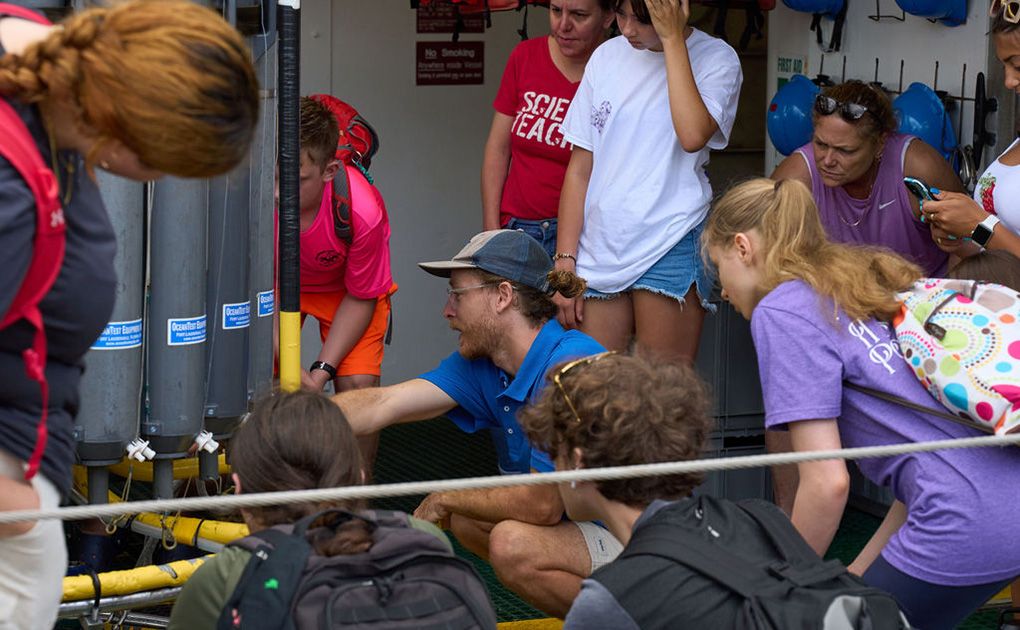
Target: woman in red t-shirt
point(526, 155)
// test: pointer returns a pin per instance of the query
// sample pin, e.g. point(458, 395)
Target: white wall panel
point(917, 43)
point(428, 166)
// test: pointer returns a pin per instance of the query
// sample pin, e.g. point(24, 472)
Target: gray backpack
point(408, 578)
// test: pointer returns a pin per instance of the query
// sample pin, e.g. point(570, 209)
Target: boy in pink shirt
point(345, 286)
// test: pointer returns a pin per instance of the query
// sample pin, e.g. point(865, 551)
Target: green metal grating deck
point(436, 449)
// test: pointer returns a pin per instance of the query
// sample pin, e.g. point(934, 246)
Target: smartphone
point(918, 188)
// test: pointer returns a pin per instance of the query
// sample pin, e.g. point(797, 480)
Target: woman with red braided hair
point(140, 89)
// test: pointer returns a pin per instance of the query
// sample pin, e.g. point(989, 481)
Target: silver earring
point(573, 484)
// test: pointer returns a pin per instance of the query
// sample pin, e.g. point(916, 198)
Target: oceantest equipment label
point(236, 315)
point(266, 303)
point(120, 336)
point(184, 331)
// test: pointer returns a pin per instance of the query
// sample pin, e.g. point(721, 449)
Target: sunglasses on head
point(850, 112)
point(1010, 10)
point(569, 366)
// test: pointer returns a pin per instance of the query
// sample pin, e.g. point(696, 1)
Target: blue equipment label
point(120, 336)
point(266, 305)
point(183, 331)
point(236, 315)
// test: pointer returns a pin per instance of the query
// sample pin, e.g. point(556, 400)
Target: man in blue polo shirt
point(500, 302)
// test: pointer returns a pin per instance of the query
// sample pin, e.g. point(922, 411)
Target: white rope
point(424, 487)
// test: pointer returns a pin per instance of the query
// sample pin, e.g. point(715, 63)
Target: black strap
point(803, 566)
point(458, 25)
point(836, 41)
point(523, 30)
point(916, 407)
point(97, 586)
point(780, 530)
point(719, 28)
point(668, 541)
point(753, 25)
point(414, 609)
point(342, 207)
point(268, 584)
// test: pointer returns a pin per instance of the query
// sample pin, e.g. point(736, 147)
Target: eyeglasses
point(566, 368)
point(453, 293)
point(850, 112)
point(1010, 10)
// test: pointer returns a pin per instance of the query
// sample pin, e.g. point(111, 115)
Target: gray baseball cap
point(511, 254)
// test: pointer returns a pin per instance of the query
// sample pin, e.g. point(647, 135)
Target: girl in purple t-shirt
point(819, 316)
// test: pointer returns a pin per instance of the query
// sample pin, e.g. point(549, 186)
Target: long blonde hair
point(169, 79)
point(861, 280)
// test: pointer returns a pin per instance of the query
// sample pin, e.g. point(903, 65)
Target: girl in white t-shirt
point(650, 106)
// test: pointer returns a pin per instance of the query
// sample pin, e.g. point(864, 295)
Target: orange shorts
point(366, 355)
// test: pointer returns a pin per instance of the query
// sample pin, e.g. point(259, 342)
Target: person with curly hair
point(500, 303)
point(619, 410)
point(138, 89)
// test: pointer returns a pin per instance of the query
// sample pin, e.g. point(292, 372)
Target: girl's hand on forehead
point(669, 17)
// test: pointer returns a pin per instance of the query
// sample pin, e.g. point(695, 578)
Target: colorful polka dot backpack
point(962, 340)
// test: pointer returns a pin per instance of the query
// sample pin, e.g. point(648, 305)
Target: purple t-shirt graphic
point(963, 524)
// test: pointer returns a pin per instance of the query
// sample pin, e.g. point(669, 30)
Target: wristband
point(565, 255)
point(983, 232)
point(325, 367)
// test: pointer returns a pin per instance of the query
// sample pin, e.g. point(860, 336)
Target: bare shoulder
point(924, 162)
point(793, 167)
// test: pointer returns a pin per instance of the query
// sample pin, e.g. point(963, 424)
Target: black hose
point(289, 159)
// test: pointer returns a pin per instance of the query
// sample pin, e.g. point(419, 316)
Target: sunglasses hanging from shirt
point(833, 10)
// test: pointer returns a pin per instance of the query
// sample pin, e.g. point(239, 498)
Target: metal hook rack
point(878, 17)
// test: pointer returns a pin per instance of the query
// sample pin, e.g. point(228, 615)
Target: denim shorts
point(674, 273)
point(543, 231)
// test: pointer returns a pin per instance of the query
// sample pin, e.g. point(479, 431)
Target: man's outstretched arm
point(375, 408)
